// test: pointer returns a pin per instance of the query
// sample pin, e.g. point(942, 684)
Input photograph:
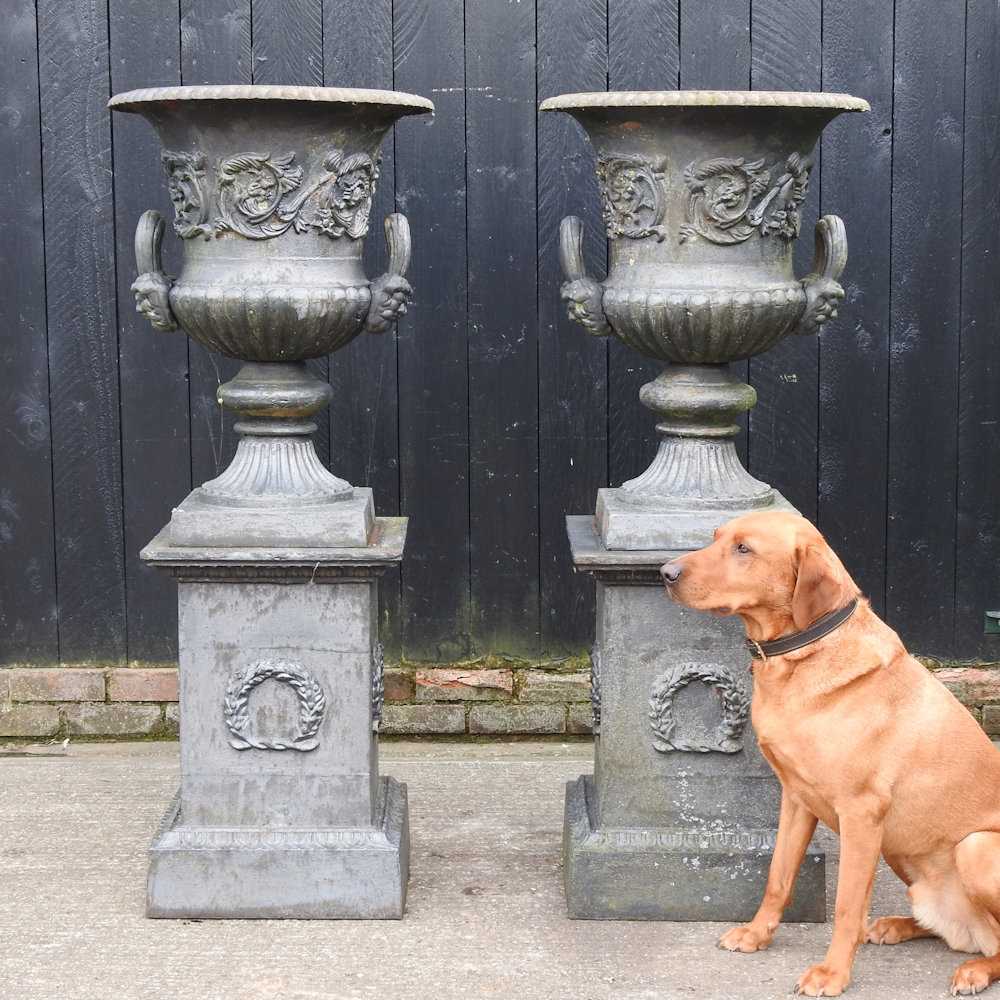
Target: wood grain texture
point(430, 165)
point(215, 48)
point(573, 366)
point(28, 610)
point(854, 351)
point(643, 54)
point(977, 542)
point(81, 315)
point(503, 324)
point(364, 412)
point(155, 419)
point(924, 346)
point(786, 55)
point(715, 55)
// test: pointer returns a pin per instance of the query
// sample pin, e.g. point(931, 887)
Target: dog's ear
point(821, 586)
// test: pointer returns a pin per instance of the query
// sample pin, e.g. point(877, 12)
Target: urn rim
point(400, 102)
point(704, 99)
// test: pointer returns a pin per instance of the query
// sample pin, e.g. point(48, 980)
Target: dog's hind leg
point(895, 930)
point(977, 859)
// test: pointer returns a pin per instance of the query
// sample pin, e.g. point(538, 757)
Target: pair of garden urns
point(281, 810)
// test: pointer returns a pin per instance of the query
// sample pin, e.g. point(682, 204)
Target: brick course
point(492, 696)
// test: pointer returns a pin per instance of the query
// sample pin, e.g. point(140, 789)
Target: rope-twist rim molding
point(312, 704)
point(728, 735)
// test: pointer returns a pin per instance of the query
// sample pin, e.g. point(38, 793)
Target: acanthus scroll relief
point(634, 202)
point(260, 195)
point(730, 198)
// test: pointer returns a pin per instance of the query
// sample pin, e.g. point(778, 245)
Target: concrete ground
point(485, 916)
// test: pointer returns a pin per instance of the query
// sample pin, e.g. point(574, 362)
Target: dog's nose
point(671, 572)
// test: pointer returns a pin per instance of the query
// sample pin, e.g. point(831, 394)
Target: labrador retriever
point(861, 737)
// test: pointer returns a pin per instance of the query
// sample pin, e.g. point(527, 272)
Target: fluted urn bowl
point(701, 199)
point(702, 195)
point(272, 190)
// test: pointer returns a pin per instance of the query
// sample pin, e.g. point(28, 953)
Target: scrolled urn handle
point(582, 294)
point(152, 287)
point(823, 292)
point(391, 292)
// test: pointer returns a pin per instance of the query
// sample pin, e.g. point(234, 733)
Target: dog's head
point(774, 568)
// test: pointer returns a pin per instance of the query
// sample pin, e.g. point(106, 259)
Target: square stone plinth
point(281, 811)
point(679, 818)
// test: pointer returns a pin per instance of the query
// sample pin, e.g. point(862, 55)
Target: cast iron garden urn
point(702, 193)
point(281, 810)
point(272, 192)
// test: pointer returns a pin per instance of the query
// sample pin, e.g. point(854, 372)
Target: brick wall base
point(489, 697)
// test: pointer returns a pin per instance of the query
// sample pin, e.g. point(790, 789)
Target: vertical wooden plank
point(573, 366)
point(156, 433)
point(215, 48)
point(786, 55)
point(924, 345)
point(715, 55)
point(28, 612)
point(643, 54)
point(364, 415)
point(287, 47)
point(854, 351)
point(503, 323)
point(977, 577)
point(83, 350)
point(428, 56)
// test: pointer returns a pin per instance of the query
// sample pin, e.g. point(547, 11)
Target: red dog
point(862, 737)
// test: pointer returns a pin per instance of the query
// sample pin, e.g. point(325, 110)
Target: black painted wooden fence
point(489, 416)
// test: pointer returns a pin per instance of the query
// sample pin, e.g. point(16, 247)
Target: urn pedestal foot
point(679, 818)
point(281, 810)
point(357, 873)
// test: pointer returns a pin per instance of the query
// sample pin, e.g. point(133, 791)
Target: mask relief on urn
point(186, 174)
point(731, 199)
point(633, 197)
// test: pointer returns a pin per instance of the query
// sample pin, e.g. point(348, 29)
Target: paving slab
point(485, 915)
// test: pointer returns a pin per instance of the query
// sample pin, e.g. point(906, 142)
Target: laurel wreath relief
point(312, 704)
point(734, 695)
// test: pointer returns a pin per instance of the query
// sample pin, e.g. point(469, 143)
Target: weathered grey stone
point(118, 719)
point(28, 720)
point(580, 720)
point(450, 684)
point(57, 684)
point(281, 811)
point(682, 805)
point(517, 719)
point(551, 686)
point(991, 719)
point(422, 720)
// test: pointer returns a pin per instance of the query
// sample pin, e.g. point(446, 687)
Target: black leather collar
point(819, 628)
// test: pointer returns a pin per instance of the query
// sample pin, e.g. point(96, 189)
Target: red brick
point(119, 719)
point(443, 684)
point(29, 720)
point(971, 685)
point(57, 684)
point(156, 684)
point(553, 687)
point(399, 684)
point(517, 719)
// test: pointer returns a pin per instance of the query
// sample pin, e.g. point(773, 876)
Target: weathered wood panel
point(81, 314)
point(572, 366)
point(28, 607)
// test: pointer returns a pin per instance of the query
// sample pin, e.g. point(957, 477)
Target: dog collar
point(819, 628)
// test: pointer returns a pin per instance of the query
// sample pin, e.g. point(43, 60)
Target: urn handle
point(823, 292)
point(391, 292)
point(582, 294)
point(152, 287)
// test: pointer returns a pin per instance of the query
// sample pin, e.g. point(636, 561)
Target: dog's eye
point(742, 548)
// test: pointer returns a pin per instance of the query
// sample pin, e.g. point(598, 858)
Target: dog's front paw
point(745, 938)
point(972, 977)
point(892, 930)
point(822, 981)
